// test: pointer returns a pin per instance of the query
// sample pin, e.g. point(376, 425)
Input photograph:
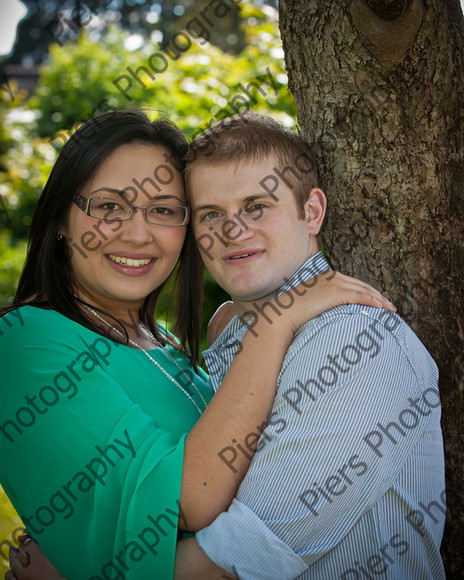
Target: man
point(348, 477)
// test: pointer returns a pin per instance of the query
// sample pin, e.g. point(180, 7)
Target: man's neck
point(246, 306)
point(243, 306)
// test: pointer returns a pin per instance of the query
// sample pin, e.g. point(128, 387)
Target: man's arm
point(330, 450)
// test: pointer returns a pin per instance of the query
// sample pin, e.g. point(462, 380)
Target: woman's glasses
point(112, 209)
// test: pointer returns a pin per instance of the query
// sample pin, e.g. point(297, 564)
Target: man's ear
point(314, 210)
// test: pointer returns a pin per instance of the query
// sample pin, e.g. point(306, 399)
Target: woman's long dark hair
point(46, 280)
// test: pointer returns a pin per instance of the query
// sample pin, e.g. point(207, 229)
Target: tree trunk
point(379, 86)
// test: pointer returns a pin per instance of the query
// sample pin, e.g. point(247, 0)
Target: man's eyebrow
point(255, 197)
point(206, 206)
point(244, 200)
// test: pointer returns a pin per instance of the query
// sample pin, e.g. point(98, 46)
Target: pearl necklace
point(155, 362)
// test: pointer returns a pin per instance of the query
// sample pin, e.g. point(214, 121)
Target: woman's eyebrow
point(121, 192)
point(108, 190)
point(167, 196)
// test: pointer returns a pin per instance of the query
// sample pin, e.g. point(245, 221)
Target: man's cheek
point(205, 243)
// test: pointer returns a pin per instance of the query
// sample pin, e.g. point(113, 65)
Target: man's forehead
point(233, 165)
point(247, 173)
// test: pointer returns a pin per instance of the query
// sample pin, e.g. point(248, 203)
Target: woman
point(96, 400)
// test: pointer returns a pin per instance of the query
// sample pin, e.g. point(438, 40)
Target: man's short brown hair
point(254, 137)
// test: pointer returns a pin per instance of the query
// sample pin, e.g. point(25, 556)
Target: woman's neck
point(114, 318)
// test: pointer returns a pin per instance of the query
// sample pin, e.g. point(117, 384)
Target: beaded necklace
point(155, 362)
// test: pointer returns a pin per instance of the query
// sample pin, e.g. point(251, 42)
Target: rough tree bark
point(379, 86)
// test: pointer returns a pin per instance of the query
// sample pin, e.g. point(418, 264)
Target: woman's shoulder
point(28, 317)
point(28, 324)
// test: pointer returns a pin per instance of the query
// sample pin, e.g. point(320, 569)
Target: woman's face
point(115, 265)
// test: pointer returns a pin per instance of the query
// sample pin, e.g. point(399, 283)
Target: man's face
point(250, 241)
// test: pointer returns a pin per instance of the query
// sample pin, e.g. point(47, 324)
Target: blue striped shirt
point(348, 477)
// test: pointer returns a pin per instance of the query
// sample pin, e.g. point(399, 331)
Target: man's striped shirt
point(348, 478)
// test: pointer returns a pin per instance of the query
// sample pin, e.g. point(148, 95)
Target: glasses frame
point(83, 203)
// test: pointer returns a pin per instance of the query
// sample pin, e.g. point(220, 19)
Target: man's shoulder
point(349, 318)
point(354, 330)
point(219, 321)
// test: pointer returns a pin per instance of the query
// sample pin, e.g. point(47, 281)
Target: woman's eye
point(161, 210)
point(107, 205)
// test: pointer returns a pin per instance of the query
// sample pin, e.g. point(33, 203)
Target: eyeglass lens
point(116, 209)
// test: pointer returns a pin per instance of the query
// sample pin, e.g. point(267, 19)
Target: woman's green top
point(91, 443)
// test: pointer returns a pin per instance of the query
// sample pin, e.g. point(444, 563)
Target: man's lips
point(243, 256)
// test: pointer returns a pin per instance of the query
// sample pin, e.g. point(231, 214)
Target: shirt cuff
point(239, 542)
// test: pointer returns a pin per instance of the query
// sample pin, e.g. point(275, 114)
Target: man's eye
point(255, 207)
point(211, 215)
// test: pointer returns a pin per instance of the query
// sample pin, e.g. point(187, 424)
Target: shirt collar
point(312, 266)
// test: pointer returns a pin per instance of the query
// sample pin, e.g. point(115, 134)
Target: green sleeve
point(87, 458)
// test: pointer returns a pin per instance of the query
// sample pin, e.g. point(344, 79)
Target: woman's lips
point(131, 262)
point(131, 266)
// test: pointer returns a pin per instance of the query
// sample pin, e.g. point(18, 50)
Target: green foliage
point(26, 169)
point(77, 79)
point(12, 255)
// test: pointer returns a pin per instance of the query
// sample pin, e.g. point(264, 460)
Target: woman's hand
point(28, 562)
point(311, 298)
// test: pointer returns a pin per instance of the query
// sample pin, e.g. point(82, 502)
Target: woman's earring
point(59, 237)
